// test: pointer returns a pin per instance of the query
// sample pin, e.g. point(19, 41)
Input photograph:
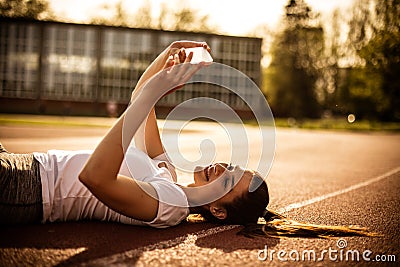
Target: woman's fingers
point(170, 62)
point(192, 70)
point(190, 44)
point(178, 69)
point(186, 71)
point(176, 76)
point(182, 55)
point(185, 67)
point(205, 45)
point(176, 59)
point(189, 57)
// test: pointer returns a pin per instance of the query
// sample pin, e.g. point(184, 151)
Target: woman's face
point(231, 179)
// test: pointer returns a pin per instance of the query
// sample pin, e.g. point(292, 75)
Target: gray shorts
point(20, 188)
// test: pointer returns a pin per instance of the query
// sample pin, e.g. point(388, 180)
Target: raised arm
point(125, 195)
point(147, 138)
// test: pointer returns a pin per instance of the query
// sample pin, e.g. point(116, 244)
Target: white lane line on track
point(134, 253)
point(338, 192)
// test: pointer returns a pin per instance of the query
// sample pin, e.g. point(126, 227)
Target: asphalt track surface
point(323, 177)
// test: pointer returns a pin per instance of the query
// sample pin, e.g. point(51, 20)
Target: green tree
point(143, 18)
point(182, 18)
point(31, 9)
point(382, 57)
point(186, 19)
point(295, 79)
point(372, 89)
point(119, 18)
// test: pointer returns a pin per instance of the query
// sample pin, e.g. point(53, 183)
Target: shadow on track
point(102, 240)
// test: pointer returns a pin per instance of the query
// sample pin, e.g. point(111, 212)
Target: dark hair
point(276, 225)
point(244, 209)
point(250, 210)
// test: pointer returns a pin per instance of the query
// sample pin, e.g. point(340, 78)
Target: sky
point(231, 17)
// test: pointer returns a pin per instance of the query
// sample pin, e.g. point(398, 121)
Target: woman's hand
point(176, 48)
point(174, 60)
point(177, 55)
point(174, 74)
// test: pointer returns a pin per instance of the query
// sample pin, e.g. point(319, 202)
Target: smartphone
point(200, 54)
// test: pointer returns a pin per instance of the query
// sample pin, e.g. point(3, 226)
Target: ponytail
point(273, 224)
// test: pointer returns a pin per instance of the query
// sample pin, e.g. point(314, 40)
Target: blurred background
point(311, 59)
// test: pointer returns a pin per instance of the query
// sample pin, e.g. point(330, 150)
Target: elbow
point(83, 177)
point(87, 178)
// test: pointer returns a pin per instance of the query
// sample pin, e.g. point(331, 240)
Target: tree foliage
point(372, 89)
point(295, 73)
point(177, 18)
point(31, 9)
point(360, 75)
point(180, 18)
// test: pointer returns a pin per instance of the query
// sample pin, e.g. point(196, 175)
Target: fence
point(53, 67)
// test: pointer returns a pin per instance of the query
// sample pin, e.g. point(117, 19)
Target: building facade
point(76, 69)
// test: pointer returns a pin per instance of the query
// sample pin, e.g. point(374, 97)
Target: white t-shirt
point(65, 198)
